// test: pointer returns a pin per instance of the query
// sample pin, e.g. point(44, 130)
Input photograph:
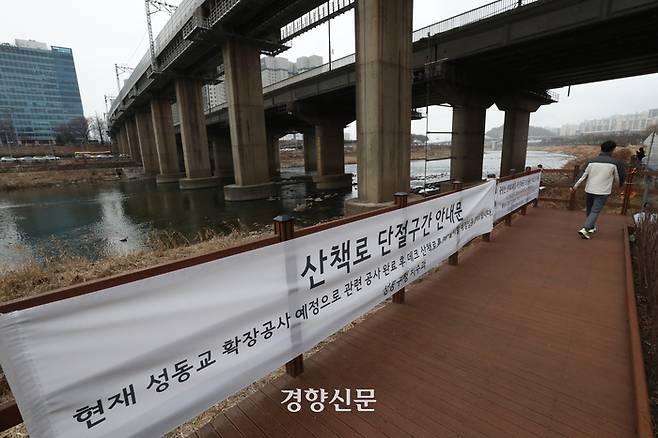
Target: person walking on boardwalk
point(601, 173)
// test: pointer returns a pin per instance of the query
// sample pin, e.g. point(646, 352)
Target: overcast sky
point(104, 32)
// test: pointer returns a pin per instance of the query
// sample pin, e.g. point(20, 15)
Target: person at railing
point(601, 173)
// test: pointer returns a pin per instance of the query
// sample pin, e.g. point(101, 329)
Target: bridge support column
point(223, 158)
point(194, 136)
point(247, 122)
point(310, 151)
point(467, 143)
point(123, 136)
point(146, 141)
point(133, 140)
point(118, 139)
point(273, 155)
point(383, 100)
point(331, 158)
point(165, 141)
point(515, 131)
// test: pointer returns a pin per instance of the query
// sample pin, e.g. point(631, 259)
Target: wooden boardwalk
point(526, 337)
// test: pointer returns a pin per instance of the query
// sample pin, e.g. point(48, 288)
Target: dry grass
point(20, 180)
point(585, 152)
point(59, 150)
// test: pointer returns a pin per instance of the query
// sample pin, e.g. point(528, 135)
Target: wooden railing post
point(628, 186)
point(284, 229)
point(508, 217)
point(572, 200)
point(576, 171)
point(401, 199)
point(524, 209)
point(454, 258)
point(535, 203)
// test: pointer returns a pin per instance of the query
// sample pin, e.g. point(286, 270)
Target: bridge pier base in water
point(467, 150)
point(144, 124)
point(383, 100)
point(273, 155)
point(222, 157)
point(310, 151)
point(133, 140)
point(515, 131)
point(330, 149)
point(247, 122)
point(165, 141)
point(194, 135)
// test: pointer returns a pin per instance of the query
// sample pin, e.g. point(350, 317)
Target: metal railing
point(324, 68)
point(314, 18)
point(472, 16)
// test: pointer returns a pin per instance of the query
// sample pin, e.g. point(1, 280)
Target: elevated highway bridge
point(508, 52)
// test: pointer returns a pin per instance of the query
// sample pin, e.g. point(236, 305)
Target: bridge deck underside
point(526, 337)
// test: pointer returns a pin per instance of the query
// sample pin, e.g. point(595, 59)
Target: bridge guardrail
point(474, 15)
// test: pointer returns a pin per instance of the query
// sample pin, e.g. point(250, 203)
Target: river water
point(116, 218)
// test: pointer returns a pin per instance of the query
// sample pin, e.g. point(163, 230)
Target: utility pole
point(120, 69)
point(158, 6)
point(108, 102)
point(329, 27)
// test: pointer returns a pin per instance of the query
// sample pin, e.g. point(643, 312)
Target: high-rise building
point(619, 123)
point(38, 91)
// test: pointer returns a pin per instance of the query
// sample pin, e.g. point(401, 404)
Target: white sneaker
point(592, 230)
point(583, 233)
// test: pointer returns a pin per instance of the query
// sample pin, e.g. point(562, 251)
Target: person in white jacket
point(601, 173)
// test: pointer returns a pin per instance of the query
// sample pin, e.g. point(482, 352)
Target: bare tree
point(75, 130)
point(7, 132)
point(98, 128)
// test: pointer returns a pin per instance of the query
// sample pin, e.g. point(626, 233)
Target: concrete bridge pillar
point(383, 99)
point(310, 151)
point(147, 149)
point(117, 138)
point(247, 122)
point(193, 135)
point(273, 155)
point(515, 131)
point(223, 157)
point(467, 149)
point(329, 141)
point(133, 140)
point(165, 141)
point(123, 135)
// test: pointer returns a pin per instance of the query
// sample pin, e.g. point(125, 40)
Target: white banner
point(141, 358)
point(515, 193)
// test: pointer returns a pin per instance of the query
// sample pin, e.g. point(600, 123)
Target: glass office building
point(38, 91)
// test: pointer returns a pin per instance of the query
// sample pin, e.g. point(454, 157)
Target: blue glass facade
point(38, 92)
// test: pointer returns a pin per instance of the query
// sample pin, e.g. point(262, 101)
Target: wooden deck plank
point(526, 337)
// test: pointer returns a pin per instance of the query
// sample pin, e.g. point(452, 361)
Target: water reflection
point(116, 218)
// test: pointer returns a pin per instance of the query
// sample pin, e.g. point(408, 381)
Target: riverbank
point(58, 150)
point(584, 153)
point(24, 180)
point(295, 158)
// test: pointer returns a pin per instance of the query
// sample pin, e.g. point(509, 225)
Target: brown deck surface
point(526, 337)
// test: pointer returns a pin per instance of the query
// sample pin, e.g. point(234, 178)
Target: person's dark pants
point(595, 204)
